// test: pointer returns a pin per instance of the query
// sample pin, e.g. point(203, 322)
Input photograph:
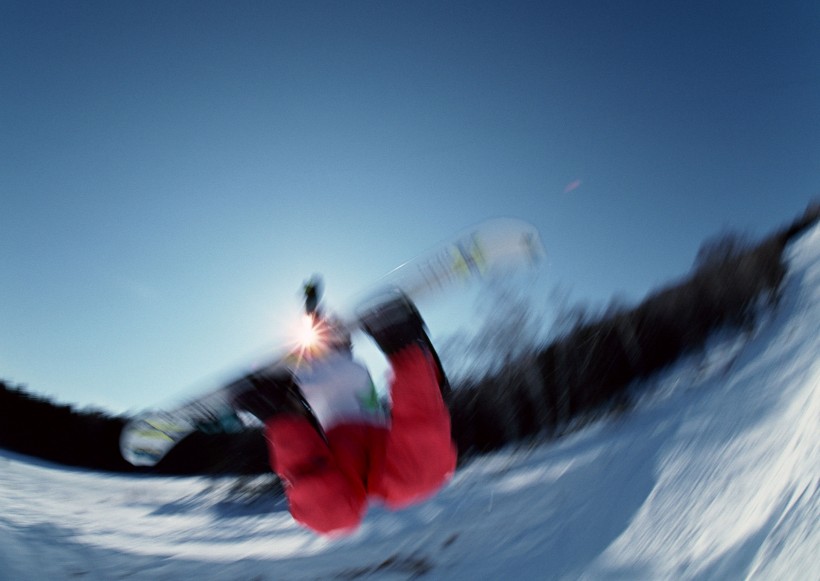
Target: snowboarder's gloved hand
point(313, 294)
point(394, 323)
point(267, 395)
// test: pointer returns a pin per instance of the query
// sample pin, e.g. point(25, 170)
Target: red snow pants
point(328, 483)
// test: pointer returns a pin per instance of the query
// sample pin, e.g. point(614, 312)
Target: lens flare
point(572, 186)
point(314, 336)
point(309, 336)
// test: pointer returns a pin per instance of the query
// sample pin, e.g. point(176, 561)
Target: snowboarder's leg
point(324, 493)
point(419, 455)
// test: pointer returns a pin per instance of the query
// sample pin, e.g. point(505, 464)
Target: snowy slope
point(713, 476)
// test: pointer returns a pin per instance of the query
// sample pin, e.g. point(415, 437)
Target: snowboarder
point(330, 439)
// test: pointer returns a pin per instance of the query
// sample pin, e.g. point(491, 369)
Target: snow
point(713, 475)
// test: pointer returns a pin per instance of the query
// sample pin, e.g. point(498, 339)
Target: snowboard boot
point(395, 323)
point(268, 394)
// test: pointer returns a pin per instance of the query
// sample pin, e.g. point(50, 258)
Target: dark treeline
point(37, 427)
point(585, 370)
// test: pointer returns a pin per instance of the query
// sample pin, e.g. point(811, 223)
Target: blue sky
point(170, 172)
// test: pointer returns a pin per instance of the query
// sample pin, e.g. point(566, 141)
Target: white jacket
point(340, 390)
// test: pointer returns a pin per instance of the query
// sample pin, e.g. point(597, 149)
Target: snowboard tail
point(148, 437)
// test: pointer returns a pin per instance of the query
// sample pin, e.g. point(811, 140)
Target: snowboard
point(490, 248)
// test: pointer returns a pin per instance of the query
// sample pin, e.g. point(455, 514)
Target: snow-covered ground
point(713, 476)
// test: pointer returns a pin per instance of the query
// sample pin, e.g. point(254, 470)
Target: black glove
point(265, 395)
point(313, 294)
point(394, 324)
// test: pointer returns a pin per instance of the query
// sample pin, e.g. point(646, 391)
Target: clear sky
point(170, 172)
